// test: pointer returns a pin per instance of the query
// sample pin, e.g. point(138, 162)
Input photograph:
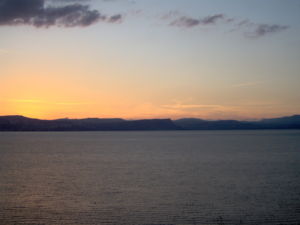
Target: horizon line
point(162, 118)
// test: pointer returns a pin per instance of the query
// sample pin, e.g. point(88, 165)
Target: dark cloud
point(115, 18)
point(38, 14)
point(212, 19)
point(249, 28)
point(265, 29)
point(255, 30)
point(185, 21)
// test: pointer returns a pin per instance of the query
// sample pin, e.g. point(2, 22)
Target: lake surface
point(144, 178)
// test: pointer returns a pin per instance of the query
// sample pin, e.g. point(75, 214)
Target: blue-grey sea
point(147, 178)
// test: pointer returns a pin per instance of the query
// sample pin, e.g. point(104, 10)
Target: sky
point(136, 59)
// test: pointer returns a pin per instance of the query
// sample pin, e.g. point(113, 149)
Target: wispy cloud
point(185, 21)
point(212, 19)
point(247, 27)
point(265, 29)
point(39, 14)
point(115, 18)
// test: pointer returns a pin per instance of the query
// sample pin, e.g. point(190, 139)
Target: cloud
point(212, 19)
point(265, 29)
point(185, 21)
point(37, 13)
point(249, 28)
point(115, 18)
point(257, 30)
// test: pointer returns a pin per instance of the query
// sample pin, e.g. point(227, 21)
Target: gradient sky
point(213, 59)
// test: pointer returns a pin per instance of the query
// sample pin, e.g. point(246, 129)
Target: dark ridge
point(289, 122)
point(21, 123)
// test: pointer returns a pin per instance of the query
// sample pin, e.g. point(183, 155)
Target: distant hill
point(199, 124)
point(21, 123)
point(291, 122)
point(284, 122)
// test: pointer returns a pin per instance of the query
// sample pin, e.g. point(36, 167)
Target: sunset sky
point(212, 59)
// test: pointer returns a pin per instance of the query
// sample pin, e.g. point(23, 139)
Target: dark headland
point(21, 123)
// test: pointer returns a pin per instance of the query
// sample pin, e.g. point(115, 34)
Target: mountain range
point(21, 123)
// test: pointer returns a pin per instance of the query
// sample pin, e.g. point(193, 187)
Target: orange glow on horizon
point(45, 109)
point(59, 93)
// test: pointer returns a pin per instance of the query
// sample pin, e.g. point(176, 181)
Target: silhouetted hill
point(283, 122)
point(199, 124)
point(291, 122)
point(21, 123)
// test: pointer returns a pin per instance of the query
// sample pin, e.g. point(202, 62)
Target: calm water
point(199, 177)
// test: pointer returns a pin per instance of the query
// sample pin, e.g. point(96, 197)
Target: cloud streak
point(115, 18)
point(185, 21)
point(39, 14)
point(250, 29)
point(265, 29)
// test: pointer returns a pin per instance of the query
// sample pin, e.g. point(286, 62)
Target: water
point(186, 178)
